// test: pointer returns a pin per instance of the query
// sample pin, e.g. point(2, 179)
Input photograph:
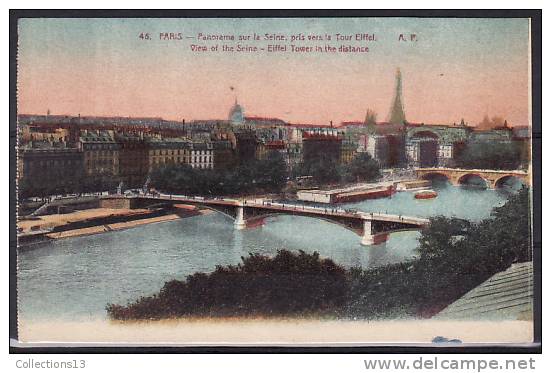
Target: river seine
point(75, 278)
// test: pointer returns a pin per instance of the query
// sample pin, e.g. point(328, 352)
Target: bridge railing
point(519, 172)
point(270, 204)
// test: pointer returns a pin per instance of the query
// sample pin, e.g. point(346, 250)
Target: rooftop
point(38, 146)
point(96, 136)
point(505, 295)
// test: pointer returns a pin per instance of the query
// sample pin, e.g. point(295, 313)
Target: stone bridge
point(457, 176)
point(373, 228)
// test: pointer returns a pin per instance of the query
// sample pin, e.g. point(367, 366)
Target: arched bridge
point(373, 228)
point(458, 176)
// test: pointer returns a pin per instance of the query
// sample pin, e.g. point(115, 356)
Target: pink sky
point(442, 83)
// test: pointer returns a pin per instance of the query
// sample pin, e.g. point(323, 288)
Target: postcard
point(289, 181)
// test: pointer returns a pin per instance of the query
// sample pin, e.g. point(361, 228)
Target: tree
point(370, 117)
point(490, 155)
point(271, 173)
point(323, 169)
point(287, 284)
point(267, 175)
point(509, 230)
point(488, 124)
point(440, 235)
point(370, 120)
point(483, 248)
point(363, 168)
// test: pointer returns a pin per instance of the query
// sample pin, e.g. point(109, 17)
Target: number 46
point(145, 36)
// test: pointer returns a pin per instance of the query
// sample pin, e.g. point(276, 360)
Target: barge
point(351, 194)
point(426, 194)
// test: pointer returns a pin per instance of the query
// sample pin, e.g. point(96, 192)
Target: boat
point(426, 194)
point(361, 195)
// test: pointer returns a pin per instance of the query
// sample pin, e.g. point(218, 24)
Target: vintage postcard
point(274, 181)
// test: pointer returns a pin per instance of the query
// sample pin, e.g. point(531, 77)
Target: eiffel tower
point(397, 115)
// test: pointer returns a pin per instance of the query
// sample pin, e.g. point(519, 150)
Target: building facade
point(321, 144)
point(376, 146)
point(45, 168)
point(223, 154)
point(100, 153)
point(202, 155)
point(246, 145)
point(294, 154)
point(133, 158)
point(349, 149)
point(435, 145)
point(39, 158)
point(167, 151)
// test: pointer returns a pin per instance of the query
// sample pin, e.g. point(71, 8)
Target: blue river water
point(75, 278)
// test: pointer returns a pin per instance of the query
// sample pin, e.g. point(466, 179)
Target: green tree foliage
point(440, 235)
point(467, 253)
point(362, 168)
point(506, 237)
point(323, 169)
point(54, 181)
point(326, 170)
point(493, 156)
point(287, 284)
point(454, 256)
point(267, 175)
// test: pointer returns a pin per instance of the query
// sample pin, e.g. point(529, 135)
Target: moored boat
point(426, 194)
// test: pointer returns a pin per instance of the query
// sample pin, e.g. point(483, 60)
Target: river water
point(75, 278)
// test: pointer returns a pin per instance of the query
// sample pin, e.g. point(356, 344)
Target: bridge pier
point(240, 222)
point(368, 238)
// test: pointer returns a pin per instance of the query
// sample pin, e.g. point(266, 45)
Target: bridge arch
point(468, 178)
point(356, 230)
point(425, 134)
point(502, 181)
point(435, 175)
point(220, 210)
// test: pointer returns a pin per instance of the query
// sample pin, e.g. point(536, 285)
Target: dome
point(236, 114)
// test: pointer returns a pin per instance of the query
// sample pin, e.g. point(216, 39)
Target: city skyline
point(99, 67)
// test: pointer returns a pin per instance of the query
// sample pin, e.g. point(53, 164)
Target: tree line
point(56, 181)
point(327, 170)
point(266, 175)
point(259, 176)
point(493, 156)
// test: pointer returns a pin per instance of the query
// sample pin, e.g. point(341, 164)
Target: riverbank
point(112, 227)
point(272, 331)
point(109, 219)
